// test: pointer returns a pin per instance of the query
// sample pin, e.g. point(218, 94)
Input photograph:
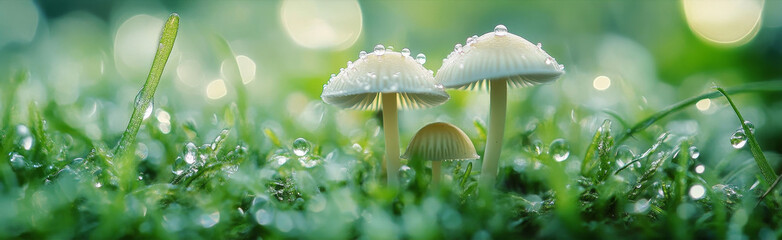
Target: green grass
point(248, 180)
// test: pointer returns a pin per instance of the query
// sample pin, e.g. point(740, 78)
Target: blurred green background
point(624, 61)
point(92, 57)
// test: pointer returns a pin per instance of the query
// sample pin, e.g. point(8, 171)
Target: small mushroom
point(439, 142)
point(385, 80)
point(497, 60)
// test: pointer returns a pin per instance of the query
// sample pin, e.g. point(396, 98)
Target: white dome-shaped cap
point(441, 141)
point(359, 86)
point(494, 56)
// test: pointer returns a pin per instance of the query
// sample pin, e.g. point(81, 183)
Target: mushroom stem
point(391, 133)
point(491, 156)
point(436, 174)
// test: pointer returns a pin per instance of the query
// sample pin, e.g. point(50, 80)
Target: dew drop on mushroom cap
point(381, 71)
point(498, 55)
point(495, 61)
point(388, 80)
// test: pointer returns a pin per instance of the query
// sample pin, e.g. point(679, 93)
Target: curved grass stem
point(767, 86)
point(754, 147)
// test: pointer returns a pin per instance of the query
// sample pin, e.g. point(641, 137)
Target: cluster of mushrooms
point(388, 80)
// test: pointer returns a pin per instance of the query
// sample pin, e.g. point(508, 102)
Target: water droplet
point(694, 152)
point(362, 54)
point(308, 162)
point(17, 161)
point(25, 138)
point(180, 166)
point(559, 150)
point(641, 206)
point(301, 147)
point(332, 76)
point(457, 47)
point(472, 40)
point(148, 111)
point(700, 169)
point(536, 148)
point(190, 152)
point(390, 48)
point(500, 30)
point(405, 52)
point(209, 220)
point(420, 58)
point(738, 139)
point(540, 46)
point(357, 147)
point(380, 50)
point(406, 174)
point(624, 155)
point(750, 126)
point(697, 191)
point(350, 64)
point(278, 160)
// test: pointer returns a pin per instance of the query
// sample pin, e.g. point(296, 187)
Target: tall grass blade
point(754, 147)
point(147, 92)
point(126, 167)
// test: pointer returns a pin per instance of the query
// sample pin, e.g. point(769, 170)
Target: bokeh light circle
point(135, 44)
point(333, 24)
point(18, 21)
point(724, 22)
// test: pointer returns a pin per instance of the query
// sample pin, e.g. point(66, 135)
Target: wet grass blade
point(644, 179)
point(594, 147)
point(466, 175)
point(125, 165)
point(773, 185)
point(147, 92)
point(768, 86)
point(37, 124)
point(754, 147)
point(680, 178)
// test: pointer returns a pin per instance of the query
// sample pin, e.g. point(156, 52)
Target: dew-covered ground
point(633, 141)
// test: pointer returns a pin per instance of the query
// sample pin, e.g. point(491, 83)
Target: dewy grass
point(768, 173)
point(146, 95)
point(768, 86)
point(65, 186)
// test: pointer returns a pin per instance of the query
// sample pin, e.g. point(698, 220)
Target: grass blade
point(600, 136)
point(125, 166)
point(147, 92)
point(768, 86)
point(754, 147)
point(36, 121)
point(773, 185)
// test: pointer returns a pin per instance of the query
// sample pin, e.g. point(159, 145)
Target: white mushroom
point(439, 142)
point(495, 61)
point(386, 80)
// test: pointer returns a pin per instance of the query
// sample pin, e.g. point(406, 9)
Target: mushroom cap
point(496, 56)
point(360, 85)
point(441, 141)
